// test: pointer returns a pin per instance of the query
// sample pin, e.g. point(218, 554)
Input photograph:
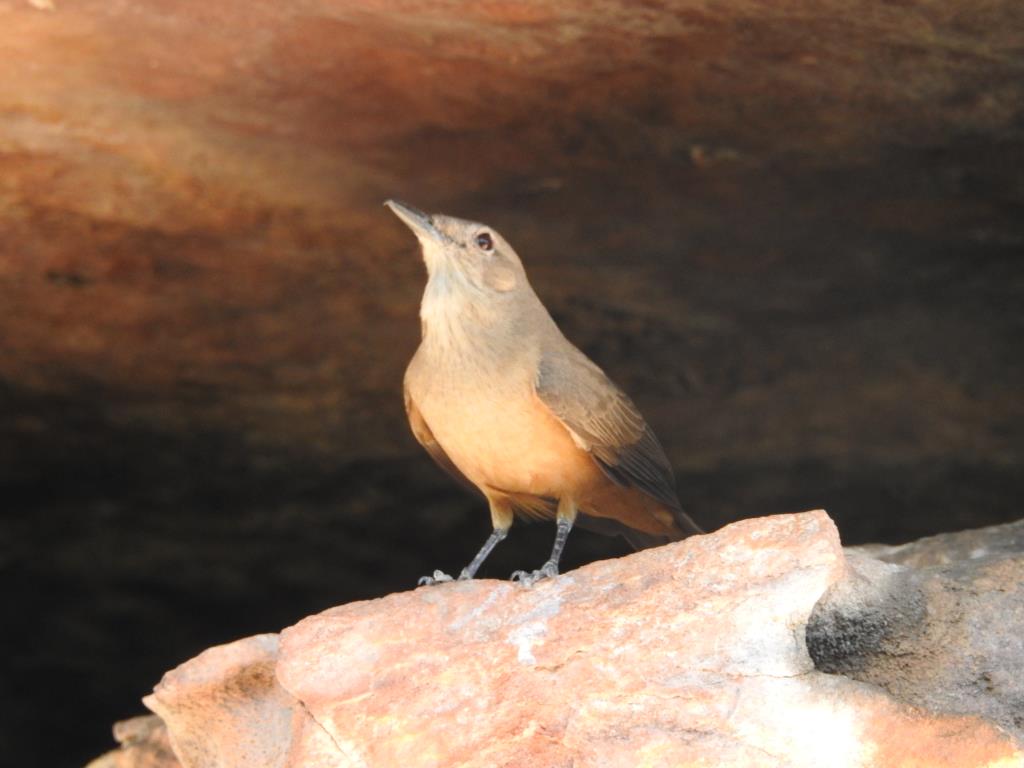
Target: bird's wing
point(425, 437)
point(604, 422)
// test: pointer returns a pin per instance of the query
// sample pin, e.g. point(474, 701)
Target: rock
point(144, 744)
point(198, 270)
point(690, 654)
point(951, 548)
point(938, 623)
point(225, 708)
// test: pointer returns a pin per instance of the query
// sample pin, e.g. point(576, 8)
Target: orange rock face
point(692, 654)
point(192, 239)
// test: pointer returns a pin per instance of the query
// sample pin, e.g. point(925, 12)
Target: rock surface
point(197, 270)
point(144, 744)
point(938, 623)
point(692, 654)
point(225, 708)
point(952, 548)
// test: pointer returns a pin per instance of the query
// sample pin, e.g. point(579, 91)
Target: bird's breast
point(494, 428)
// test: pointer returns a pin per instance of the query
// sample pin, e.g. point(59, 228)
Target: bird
point(509, 407)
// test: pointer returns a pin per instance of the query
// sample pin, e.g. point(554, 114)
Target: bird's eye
point(484, 241)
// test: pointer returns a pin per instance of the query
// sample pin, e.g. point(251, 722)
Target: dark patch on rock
point(947, 637)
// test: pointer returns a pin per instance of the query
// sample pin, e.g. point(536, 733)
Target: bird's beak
point(419, 222)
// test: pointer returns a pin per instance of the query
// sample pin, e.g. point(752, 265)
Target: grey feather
point(606, 423)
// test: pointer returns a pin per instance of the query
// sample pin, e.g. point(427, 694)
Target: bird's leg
point(497, 535)
point(501, 517)
point(566, 517)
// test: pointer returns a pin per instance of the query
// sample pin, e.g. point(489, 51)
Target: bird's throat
point(450, 311)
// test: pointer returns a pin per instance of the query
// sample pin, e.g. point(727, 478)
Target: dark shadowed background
point(792, 231)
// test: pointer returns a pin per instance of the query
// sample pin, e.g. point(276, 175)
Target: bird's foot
point(438, 577)
point(529, 578)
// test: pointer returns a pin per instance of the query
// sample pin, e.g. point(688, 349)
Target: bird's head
point(464, 255)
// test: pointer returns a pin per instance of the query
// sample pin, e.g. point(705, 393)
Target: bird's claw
point(529, 578)
point(438, 577)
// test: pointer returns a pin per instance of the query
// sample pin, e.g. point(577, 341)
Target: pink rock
point(144, 744)
point(224, 708)
point(692, 654)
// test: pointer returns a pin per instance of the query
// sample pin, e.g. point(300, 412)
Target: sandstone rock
point(144, 744)
point(224, 708)
point(950, 548)
point(688, 655)
point(944, 629)
point(196, 267)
